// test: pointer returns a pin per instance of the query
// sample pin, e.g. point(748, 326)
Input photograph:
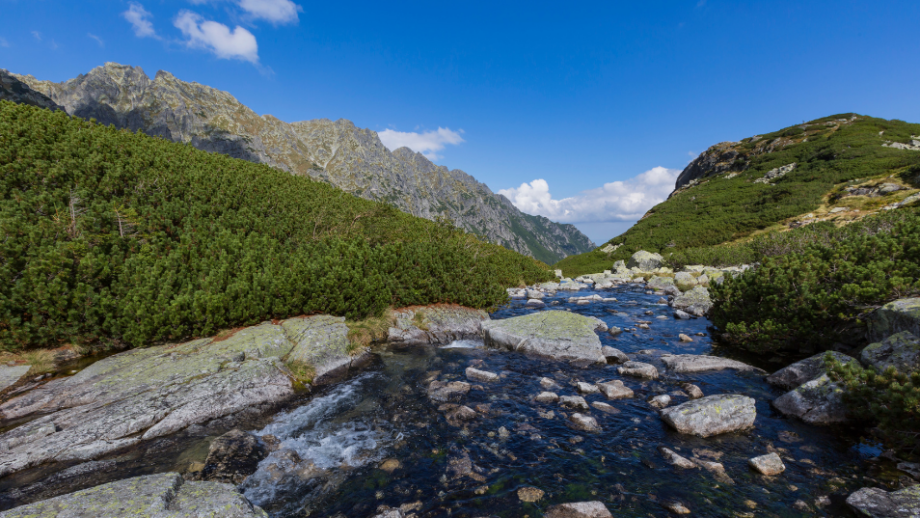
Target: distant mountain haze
point(337, 152)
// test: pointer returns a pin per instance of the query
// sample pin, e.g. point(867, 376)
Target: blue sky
point(593, 106)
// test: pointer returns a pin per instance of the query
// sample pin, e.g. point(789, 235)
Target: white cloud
point(428, 143)
point(139, 18)
point(615, 201)
point(37, 35)
point(97, 38)
point(4, 43)
point(274, 11)
point(217, 37)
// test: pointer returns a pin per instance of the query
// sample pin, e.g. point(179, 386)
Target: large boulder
point(894, 317)
point(578, 510)
point(901, 351)
point(695, 301)
point(557, 334)
point(805, 370)
point(819, 402)
point(165, 495)
point(321, 348)
point(660, 283)
point(146, 393)
point(691, 363)
point(644, 261)
point(685, 281)
point(437, 325)
point(711, 415)
point(877, 503)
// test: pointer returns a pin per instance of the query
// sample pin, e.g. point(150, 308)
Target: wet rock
point(446, 392)
point(691, 363)
point(716, 469)
point(460, 466)
point(692, 390)
point(11, 374)
point(604, 407)
point(578, 510)
point(615, 331)
point(682, 315)
point(166, 495)
point(639, 370)
point(769, 464)
point(901, 351)
point(535, 294)
point(573, 402)
point(529, 494)
point(711, 415)
point(695, 302)
point(584, 423)
point(146, 393)
point(895, 317)
point(676, 508)
point(614, 355)
point(548, 383)
point(390, 465)
point(615, 390)
point(232, 457)
point(684, 338)
point(586, 388)
point(546, 397)
point(877, 503)
point(438, 324)
point(674, 459)
point(557, 334)
point(480, 375)
point(644, 261)
point(460, 414)
point(660, 401)
point(819, 402)
point(390, 513)
point(805, 370)
point(535, 303)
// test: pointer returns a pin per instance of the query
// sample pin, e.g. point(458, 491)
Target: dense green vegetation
point(118, 238)
point(812, 295)
point(720, 209)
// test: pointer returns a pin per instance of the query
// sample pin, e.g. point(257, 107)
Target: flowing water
point(376, 440)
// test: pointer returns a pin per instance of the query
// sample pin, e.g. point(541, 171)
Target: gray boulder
point(901, 351)
point(644, 261)
point(894, 317)
point(876, 503)
point(584, 423)
point(819, 402)
point(578, 510)
point(695, 301)
point(557, 334)
point(685, 281)
point(690, 363)
point(805, 370)
point(613, 354)
point(639, 370)
point(615, 390)
point(146, 393)
point(166, 495)
point(574, 403)
point(436, 325)
point(769, 464)
point(660, 283)
point(711, 415)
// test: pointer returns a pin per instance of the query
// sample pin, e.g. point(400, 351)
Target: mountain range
point(350, 158)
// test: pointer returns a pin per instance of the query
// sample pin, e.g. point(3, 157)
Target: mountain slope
point(837, 169)
point(336, 152)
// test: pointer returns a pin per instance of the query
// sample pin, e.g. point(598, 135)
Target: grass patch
point(366, 332)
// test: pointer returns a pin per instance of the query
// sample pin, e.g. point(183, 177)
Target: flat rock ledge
point(166, 495)
point(691, 363)
point(711, 415)
point(579, 510)
point(877, 503)
point(556, 334)
point(438, 324)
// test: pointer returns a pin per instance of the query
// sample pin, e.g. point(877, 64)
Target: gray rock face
point(436, 325)
point(716, 160)
point(690, 363)
point(14, 90)
point(805, 370)
point(695, 301)
point(638, 370)
point(10, 375)
point(901, 351)
point(876, 503)
point(347, 157)
point(769, 464)
point(557, 334)
point(579, 510)
point(152, 496)
point(146, 393)
point(645, 261)
point(819, 402)
point(711, 415)
point(894, 317)
point(320, 344)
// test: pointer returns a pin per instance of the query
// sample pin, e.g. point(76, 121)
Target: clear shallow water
point(377, 440)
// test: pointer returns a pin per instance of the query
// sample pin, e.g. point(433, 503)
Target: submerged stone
point(557, 334)
point(447, 391)
point(480, 375)
point(769, 464)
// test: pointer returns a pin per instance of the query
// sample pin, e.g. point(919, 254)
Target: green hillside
point(118, 238)
point(726, 204)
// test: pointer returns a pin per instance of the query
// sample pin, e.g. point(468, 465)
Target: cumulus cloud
point(97, 38)
point(615, 201)
point(428, 143)
point(274, 11)
point(139, 18)
point(217, 37)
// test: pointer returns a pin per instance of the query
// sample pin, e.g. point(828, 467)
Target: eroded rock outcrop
point(436, 325)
